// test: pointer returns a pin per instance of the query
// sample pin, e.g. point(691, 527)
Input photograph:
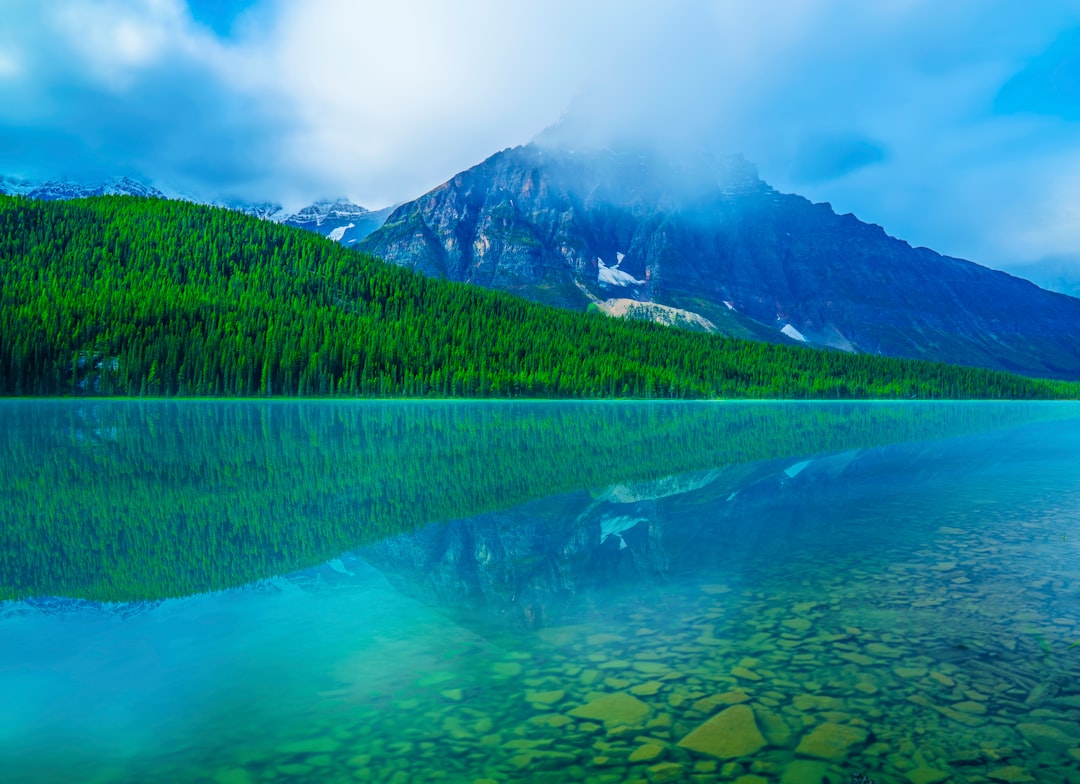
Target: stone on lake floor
point(730, 733)
point(881, 649)
point(926, 775)
point(507, 669)
point(665, 772)
point(552, 720)
point(797, 624)
point(1046, 737)
point(773, 727)
point(858, 658)
point(646, 753)
point(617, 708)
point(709, 704)
point(970, 706)
point(831, 741)
point(804, 771)
point(809, 702)
point(943, 679)
point(909, 672)
point(745, 674)
point(1011, 774)
point(866, 687)
point(545, 697)
point(647, 689)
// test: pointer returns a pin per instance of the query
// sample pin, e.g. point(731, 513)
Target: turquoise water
point(539, 592)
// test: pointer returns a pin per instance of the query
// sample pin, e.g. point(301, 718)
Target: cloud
point(945, 123)
point(1049, 83)
point(220, 16)
point(10, 64)
point(824, 158)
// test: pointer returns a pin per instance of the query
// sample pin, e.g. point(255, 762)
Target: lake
point(250, 591)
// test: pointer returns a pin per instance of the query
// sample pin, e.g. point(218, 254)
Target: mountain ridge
point(337, 219)
point(121, 295)
point(706, 235)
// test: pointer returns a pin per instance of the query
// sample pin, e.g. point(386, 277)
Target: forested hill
point(124, 296)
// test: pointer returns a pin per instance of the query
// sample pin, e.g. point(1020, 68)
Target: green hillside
point(126, 296)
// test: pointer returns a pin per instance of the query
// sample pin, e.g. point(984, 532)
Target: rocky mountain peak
point(704, 237)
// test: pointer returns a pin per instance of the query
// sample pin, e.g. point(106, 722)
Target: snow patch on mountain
point(614, 276)
point(339, 232)
point(796, 469)
point(617, 526)
point(793, 333)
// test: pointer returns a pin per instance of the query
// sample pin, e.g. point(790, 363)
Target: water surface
point(246, 592)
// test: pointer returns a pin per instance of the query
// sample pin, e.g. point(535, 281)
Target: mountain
point(55, 190)
point(703, 241)
point(118, 295)
point(337, 219)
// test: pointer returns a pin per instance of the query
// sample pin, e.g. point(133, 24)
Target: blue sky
point(953, 125)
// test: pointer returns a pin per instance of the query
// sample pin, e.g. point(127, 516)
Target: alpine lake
point(764, 593)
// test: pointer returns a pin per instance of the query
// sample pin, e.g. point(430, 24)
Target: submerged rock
point(730, 733)
point(831, 741)
point(1046, 737)
point(926, 775)
point(646, 753)
point(617, 708)
point(1011, 774)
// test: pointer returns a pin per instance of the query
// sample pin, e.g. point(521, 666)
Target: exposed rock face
point(708, 237)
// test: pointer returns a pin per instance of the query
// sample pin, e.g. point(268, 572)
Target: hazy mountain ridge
point(708, 236)
point(336, 219)
point(54, 190)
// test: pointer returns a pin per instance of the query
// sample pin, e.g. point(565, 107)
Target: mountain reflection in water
point(542, 592)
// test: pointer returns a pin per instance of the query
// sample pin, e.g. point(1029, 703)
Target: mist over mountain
point(701, 240)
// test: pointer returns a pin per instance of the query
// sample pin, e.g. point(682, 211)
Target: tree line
point(141, 297)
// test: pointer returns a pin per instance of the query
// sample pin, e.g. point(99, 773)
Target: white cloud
point(382, 101)
point(397, 97)
point(114, 40)
point(10, 64)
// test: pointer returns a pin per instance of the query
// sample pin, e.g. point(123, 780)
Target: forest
point(120, 296)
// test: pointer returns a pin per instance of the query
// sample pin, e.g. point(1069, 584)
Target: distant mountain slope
point(54, 190)
point(336, 219)
point(707, 236)
point(126, 296)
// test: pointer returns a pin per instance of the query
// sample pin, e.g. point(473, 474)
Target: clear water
point(711, 592)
